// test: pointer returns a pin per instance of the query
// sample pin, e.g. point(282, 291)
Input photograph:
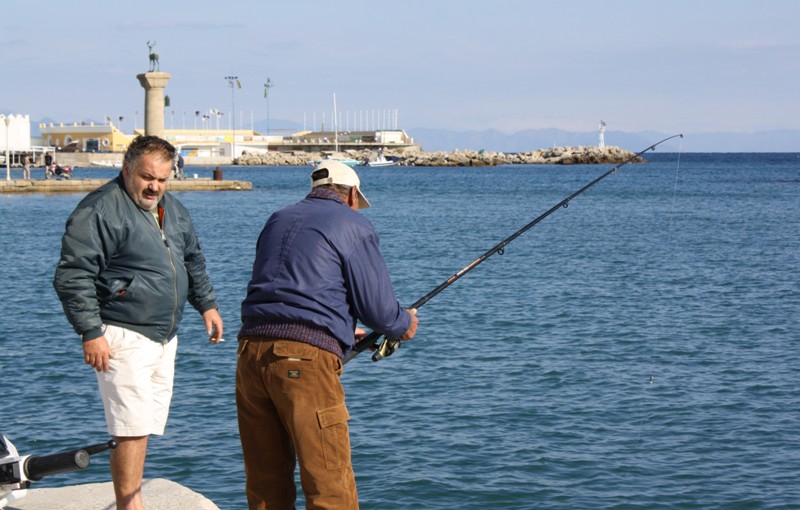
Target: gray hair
point(147, 144)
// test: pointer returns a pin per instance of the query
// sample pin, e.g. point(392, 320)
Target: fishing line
point(669, 247)
point(674, 194)
point(660, 298)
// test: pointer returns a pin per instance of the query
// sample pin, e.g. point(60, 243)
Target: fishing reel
point(17, 472)
point(386, 348)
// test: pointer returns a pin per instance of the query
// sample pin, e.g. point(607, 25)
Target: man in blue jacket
point(130, 260)
point(318, 269)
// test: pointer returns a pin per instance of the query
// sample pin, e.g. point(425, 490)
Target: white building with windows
point(15, 133)
point(15, 139)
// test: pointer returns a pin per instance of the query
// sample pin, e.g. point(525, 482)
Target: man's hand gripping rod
point(389, 346)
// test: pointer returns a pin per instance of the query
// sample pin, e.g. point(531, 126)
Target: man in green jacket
point(130, 260)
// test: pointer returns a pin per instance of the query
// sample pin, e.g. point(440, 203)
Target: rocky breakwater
point(296, 158)
point(554, 156)
point(583, 155)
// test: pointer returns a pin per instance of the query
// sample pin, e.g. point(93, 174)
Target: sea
point(639, 349)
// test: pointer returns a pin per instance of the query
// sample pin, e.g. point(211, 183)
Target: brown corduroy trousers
point(290, 405)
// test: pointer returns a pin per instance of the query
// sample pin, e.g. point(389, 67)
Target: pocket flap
point(297, 350)
point(332, 416)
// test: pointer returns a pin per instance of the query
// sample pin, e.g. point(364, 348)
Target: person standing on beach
point(130, 260)
point(26, 167)
point(318, 269)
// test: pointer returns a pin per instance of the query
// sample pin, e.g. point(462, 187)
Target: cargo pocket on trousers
point(335, 436)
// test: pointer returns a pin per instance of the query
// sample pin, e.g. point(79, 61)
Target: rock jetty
point(584, 155)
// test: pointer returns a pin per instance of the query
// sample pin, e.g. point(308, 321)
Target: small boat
point(379, 160)
point(107, 164)
point(347, 161)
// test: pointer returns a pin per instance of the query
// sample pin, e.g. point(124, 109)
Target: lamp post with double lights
point(268, 86)
point(7, 120)
point(233, 82)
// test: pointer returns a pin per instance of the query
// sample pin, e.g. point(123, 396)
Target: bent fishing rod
point(389, 346)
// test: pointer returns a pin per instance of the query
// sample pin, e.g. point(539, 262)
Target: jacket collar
point(326, 194)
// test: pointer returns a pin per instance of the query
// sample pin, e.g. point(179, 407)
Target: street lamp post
point(231, 80)
point(8, 157)
point(268, 86)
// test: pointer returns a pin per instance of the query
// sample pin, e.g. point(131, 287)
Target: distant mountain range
point(431, 140)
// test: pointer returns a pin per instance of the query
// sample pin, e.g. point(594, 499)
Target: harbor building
point(87, 142)
point(84, 137)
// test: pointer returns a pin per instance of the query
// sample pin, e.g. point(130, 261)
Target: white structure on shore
point(602, 130)
point(15, 142)
point(15, 133)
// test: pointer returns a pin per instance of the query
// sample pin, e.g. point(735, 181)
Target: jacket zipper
point(159, 224)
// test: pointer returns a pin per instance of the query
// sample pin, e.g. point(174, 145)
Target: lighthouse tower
point(602, 130)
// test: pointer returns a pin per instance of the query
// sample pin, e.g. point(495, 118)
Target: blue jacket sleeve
point(371, 294)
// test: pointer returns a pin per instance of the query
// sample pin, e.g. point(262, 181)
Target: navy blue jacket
point(318, 263)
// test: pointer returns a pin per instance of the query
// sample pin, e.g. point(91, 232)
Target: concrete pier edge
point(157, 494)
point(87, 185)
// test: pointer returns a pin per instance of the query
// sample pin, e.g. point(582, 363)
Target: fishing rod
point(389, 346)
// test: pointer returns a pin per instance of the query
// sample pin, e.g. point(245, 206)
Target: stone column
point(154, 83)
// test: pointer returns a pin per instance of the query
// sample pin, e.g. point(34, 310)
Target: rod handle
point(37, 467)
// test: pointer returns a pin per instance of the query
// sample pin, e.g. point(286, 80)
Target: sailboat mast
point(335, 126)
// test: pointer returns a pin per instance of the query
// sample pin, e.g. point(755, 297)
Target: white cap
point(339, 173)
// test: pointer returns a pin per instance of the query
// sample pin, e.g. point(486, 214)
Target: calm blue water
point(639, 349)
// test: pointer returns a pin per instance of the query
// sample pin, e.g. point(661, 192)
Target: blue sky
point(669, 66)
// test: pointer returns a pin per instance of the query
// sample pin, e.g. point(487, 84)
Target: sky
point(463, 65)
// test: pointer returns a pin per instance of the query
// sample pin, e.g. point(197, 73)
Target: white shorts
point(137, 388)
